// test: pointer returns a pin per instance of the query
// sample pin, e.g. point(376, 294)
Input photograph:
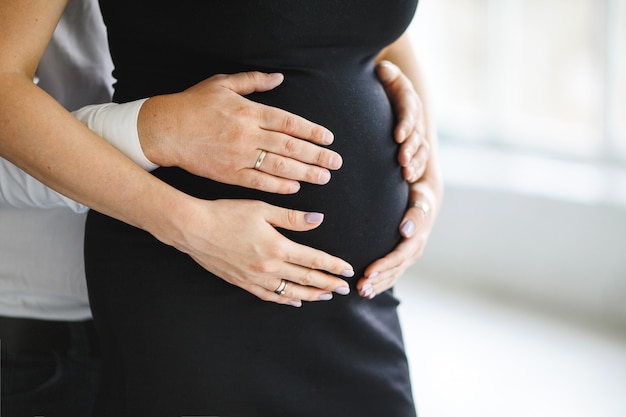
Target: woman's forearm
point(66, 156)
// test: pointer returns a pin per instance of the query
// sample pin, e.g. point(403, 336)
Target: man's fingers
point(274, 119)
point(259, 180)
point(281, 175)
point(300, 150)
point(245, 83)
point(278, 120)
point(282, 167)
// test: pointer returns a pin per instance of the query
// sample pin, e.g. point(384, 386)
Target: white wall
point(554, 251)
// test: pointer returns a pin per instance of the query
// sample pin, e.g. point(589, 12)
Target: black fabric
point(180, 341)
point(34, 335)
point(52, 379)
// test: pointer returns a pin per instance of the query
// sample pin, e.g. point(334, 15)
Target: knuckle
point(247, 111)
point(256, 205)
point(410, 119)
point(289, 123)
point(279, 166)
point(322, 157)
point(312, 175)
point(265, 296)
point(291, 146)
point(284, 187)
point(292, 217)
point(260, 267)
point(420, 127)
point(276, 252)
point(258, 182)
point(422, 156)
point(238, 134)
point(317, 262)
point(219, 77)
point(252, 75)
point(317, 131)
point(307, 279)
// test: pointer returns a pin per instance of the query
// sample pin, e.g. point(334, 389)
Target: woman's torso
point(180, 341)
point(326, 51)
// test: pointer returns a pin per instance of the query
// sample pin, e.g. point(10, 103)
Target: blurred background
point(518, 307)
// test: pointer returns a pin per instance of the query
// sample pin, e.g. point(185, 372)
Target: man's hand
point(420, 170)
point(211, 130)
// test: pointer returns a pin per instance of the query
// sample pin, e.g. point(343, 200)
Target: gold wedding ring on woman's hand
point(260, 159)
point(281, 288)
point(422, 206)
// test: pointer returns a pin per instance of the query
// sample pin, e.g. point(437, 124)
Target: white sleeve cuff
point(117, 124)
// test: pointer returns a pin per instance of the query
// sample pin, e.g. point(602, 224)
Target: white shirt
point(41, 232)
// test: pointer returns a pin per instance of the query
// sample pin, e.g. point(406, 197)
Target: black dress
point(179, 341)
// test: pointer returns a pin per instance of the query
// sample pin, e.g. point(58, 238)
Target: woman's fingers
point(383, 274)
point(304, 256)
point(414, 168)
point(409, 132)
point(415, 228)
point(241, 245)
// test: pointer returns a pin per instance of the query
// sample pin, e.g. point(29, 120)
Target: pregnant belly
point(365, 200)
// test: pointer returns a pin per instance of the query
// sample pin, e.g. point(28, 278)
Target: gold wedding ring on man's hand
point(260, 159)
point(281, 288)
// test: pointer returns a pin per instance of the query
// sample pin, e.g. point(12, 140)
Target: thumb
point(244, 83)
point(293, 219)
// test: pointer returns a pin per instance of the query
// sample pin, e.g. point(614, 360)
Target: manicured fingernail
point(294, 188)
point(343, 290)
point(408, 228)
point(295, 303)
point(368, 293)
point(314, 218)
point(372, 295)
point(372, 276)
point(348, 273)
point(325, 297)
point(324, 177)
point(367, 288)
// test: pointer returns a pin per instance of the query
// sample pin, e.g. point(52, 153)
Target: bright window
point(536, 75)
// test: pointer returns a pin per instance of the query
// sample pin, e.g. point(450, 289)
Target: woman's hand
point(237, 240)
point(425, 198)
point(419, 151)
point(211, 130)
point(410, 131)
